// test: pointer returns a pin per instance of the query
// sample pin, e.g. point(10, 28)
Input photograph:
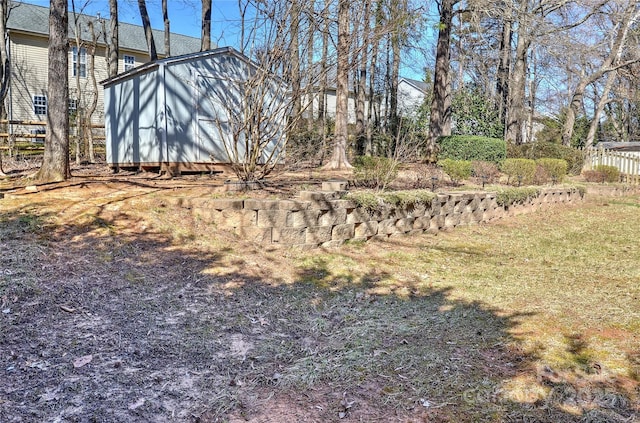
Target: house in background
point(411, 95)
point(28, 30)
point(193, 113)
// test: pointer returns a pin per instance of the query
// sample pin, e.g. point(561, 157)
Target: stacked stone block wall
point(323, 218)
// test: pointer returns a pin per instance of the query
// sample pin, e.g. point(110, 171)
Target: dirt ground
point(117, 307)
point(106, 318)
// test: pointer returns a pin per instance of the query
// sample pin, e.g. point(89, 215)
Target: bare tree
point(253, 113)
point(440, 118)
point(148, 32)
point(5, 64)
point(629, 17)
point(339, 157)
point(55, 164)
point(167, 29)
point(113, 45)
point(205, 43)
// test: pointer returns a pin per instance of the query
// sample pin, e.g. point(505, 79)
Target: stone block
point(343, 232)
point(259, 204)
point(404, 225)
point(293, 205)
point(422, 222)
point(337, 185)
point(319, 200)
point(387, 226)
point(303, 218)
point(230, 218)
point(289, 236)
point(227, 203)
point(451, 221)
point(418, 210)
point(318, 234)
point(272, 218)
point(358, 215)
point(332, 217)
point(366, 229)
point(343, 204)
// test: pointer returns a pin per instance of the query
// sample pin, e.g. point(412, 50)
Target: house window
point(40, 104)
point(129, 62)
point(73, 106)
point(79, 62)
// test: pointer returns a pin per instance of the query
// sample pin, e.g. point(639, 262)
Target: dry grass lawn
point(118, 306)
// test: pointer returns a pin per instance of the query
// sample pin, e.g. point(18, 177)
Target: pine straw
point(536, 318)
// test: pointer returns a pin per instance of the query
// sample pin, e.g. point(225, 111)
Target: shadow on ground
point(101, 323)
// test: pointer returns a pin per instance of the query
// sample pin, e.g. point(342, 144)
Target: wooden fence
point(627, 162)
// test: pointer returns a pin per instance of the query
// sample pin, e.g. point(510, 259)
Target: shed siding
point(178, 111)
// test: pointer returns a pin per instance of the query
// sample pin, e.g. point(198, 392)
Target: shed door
point(211, 121)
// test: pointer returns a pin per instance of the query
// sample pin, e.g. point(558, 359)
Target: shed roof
point(147, 67)
point(619, 146)
point(34, 19)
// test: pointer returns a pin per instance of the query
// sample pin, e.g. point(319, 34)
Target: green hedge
point(509, 196)
point(555, 168)
point(539, 150)
point(519, 170)
point(456, 169)
point(466, 147)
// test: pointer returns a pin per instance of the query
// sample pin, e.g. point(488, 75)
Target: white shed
point(189, 112)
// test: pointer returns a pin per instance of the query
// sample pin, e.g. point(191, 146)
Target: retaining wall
point(322, 218)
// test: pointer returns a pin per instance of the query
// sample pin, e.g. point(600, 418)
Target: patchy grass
point(118, 306)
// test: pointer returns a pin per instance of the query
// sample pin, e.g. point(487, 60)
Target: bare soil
point(118, 307)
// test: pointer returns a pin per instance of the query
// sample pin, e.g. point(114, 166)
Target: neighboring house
point(190, 112)
point(28, 29)
point(411, 95)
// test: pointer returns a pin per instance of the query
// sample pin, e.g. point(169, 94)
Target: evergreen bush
point(555, 168)
point(521, 171)
point(456, 169)
point(539, 150)
point(465, 147)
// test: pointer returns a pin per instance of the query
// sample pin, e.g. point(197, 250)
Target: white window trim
point(128, 65)
point(79, 67)
point(40, 101)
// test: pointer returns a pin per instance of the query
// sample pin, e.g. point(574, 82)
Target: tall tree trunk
point(310, 69)
point(517, 87)
point(631, 15)
point(92, 105)
point(167, 29)
point(205, 43)
point(322, 95)
point(148, 33)
point(5, 68)
point(294, 59)
point(55, 163)
point(375, 40)
point(440, 119)
point(504, 65)
point(604, 99)
point(339, 156)
point(361, 119)
point(113, 46)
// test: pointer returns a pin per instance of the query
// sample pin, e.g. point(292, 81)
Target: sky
point(184, 16)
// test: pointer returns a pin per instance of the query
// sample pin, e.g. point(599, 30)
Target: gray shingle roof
point(421, 85)
point(35, 19)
